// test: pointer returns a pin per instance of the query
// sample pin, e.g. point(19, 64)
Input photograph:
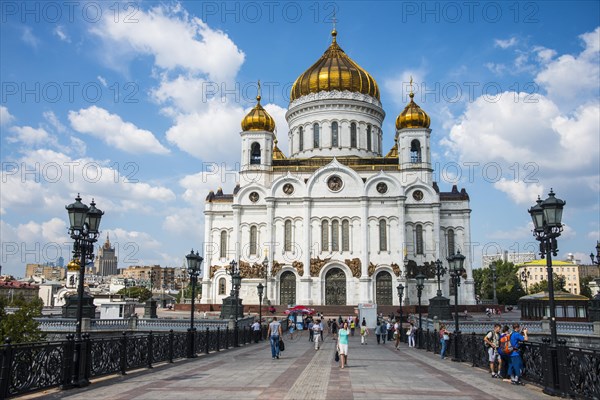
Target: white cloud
point(102, 80)
point(519, 191)
point(176, 40)
point(517, 233)
point(59, 31)
point(54, 121)
point(400, 85)
point(29, 136)
point(505, 44)
point(281, 126)
point(544, 54)
point(115, 132)
point(29, 38)
point(5, 117)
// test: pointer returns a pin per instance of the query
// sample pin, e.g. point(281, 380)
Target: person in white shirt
point(317, 333)
point(256, 331)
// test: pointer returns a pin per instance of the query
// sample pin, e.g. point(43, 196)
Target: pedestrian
point(383, 331)
point(390, 330)
point(444, 339)
point(491, 342)
point(343, 345)
point(378, 331)
point(256, 331)
point(364, 332)
point(340, 321)
point(334, 329)
point(322, 325)
point(515, 367)
point(411, 335)
point(310, 331)
point(316, 329)
point(397, 334)
point(352, 327)
point(505, 358)
point(274, 333)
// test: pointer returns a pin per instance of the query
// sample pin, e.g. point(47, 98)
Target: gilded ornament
point(275, 268)
point(316, 264)
point(396, 269)
point(371, 269)
point(299, 266)
point(355, 266)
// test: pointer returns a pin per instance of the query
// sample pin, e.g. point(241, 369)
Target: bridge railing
point(562, 370)
point(32, 367)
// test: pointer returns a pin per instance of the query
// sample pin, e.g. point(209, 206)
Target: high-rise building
point(106, 260)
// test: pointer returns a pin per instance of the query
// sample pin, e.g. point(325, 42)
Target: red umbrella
point(300, 310)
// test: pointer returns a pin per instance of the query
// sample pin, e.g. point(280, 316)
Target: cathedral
point(338, 221)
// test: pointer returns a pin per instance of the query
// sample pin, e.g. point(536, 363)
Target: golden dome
point(412, 116)
point(277, 154)
point(258, 119)
point(73, 265)
point(334, 71)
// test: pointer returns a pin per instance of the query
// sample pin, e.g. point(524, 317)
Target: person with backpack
point(491, 343)
point(515, 367)
point(504, 358)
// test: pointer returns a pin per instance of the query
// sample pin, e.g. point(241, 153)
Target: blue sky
point(138, 105)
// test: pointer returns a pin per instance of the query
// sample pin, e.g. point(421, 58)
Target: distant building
point(46, 271)
point(537, 273)
point(162, 278)
point(515, 258)
point(106, 260)
point(14, 289)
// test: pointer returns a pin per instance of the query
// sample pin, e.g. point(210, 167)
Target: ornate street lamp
point(84, 223)
point(494, 280)
point(597, 262)
point(525, 277)
point(265, 264)
point(439, 306)
point(400, 289)
point(420, 278)
point(546, 216)
point(236, 283)
point(194, 262)
point(455, 263)
point(594, 306)
point(260, 288)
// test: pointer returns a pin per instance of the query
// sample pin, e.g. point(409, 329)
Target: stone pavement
point(374, 372)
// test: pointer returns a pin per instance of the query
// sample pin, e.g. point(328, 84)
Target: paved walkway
point(374, 372)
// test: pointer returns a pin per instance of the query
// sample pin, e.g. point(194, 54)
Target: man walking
point(274, 333)
point(316, 329)
point(256, 331)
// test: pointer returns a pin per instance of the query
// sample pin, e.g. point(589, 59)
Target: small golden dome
point(277, 154)
point(258, 119)
point(412, 116)
point(334, 71)
point(73, 265)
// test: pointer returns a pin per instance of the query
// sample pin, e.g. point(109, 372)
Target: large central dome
point(334, 71)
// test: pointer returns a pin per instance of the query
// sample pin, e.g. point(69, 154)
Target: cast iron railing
point(561, 370)
point(32, 367)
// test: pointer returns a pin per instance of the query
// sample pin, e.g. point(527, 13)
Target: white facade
point(337, 219)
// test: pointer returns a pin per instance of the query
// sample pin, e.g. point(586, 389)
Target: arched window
point(345, 235)
point(223, 253)
point(382, 235)
point(353, 135)
point(316, 142)
point(419, 239)
point(287, 240)
point(253, 240)
point(415, 151)
point(450, 242)
point(300, 139)
point(369, 146)
point(335, 236)
point(222, 286)
point(324, 236)
point(255, 153)
point(334, 134)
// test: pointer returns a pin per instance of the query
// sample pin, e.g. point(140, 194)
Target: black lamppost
point(455, 263)
point(265, 264)
point(594, 306)
point(84, 224)
point(547, 216)
point(440, 271)
point(400, 289)
point(525, 277)
point(439, 306)
point(194, 262)
point(260, 288)
point(597, 262)
point(494, 280)
point(420, 278)
point(236, 283)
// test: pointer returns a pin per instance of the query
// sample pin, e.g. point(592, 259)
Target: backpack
point(485, 343)
point(505, 347)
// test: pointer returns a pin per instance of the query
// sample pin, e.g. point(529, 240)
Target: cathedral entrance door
point(287, 288)
point(383, 288)
point(335, 287)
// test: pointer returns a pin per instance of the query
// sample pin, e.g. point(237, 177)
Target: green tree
point(542, 286)
point(508, 286)
point(20, 326)
point(141, 293)
point(187, 292)
point(584, 288)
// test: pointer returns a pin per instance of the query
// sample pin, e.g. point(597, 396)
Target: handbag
point(446, 337)
point(337, 356)
point(281, 345)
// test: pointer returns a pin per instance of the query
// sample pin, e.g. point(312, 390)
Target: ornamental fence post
point(226, 338)
point(171, 345)
point(207, 347)
point(218, 337)
point(69, 351)
point(474, 348)
point(150, 349)
point(7, 354)
point(123, 355)
point(562, 364)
